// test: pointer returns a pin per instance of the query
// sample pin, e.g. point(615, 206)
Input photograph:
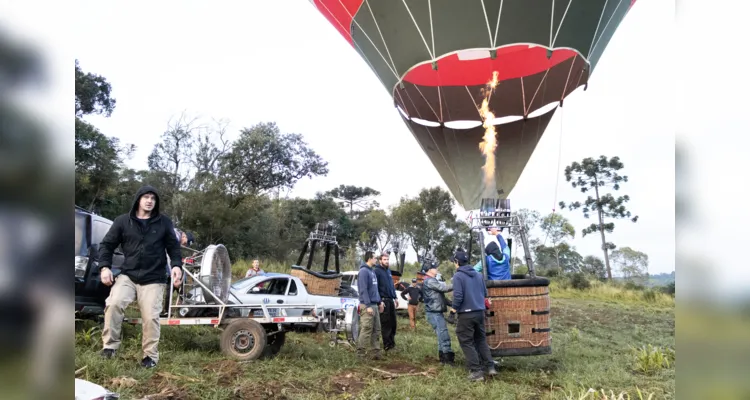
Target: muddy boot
point(450, 358)
point(442, 357)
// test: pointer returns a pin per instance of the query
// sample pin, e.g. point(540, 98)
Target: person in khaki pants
point(370, 307)
point(146, 236)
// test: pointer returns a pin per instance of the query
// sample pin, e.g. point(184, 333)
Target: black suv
point(90, 293)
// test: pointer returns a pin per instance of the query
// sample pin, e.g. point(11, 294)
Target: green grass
point(612, 294)
point(593, 348)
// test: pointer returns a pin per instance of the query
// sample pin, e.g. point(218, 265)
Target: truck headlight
point(80, 266)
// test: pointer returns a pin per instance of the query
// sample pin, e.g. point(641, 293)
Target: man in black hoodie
point(469, 293)
point(145, 236)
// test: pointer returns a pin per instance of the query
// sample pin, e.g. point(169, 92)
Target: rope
point(519, 341)
point(559, 159)
point(557, 179)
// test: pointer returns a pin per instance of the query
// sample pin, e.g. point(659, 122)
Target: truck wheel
point(274, 343)
point(243, 340)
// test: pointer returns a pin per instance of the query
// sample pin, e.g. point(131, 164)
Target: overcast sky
point(253, 61)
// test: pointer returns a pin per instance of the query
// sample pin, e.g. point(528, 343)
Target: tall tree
point(600, 175)
point(263, 159)
point(594, 266)
point(563, 258)
point(98, 158)
point(557, 228)
point(351, 196)
point(378, 227)
point(173, 155)
point(93, 94)
point(210, 146)
point(529, 219)
point(632, 264)
point(428, 220)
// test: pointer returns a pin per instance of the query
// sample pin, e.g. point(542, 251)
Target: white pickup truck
point(274, 288)
point(350, 279)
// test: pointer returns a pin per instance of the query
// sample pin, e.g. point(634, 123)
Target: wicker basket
point(518, 321)
point(318, 283)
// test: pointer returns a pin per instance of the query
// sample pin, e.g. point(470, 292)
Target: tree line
point(233, 192)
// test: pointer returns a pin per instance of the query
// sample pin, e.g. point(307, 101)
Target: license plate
point(273, 312)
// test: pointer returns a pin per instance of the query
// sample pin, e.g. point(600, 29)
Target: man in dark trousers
point(146, 236)
point(412, 294)
point(387, 292)
point(370, 307)
point(469, 293)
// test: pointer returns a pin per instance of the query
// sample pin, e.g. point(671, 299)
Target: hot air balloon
point(434, 56)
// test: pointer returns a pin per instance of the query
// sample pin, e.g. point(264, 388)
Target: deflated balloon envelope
point(435, 56)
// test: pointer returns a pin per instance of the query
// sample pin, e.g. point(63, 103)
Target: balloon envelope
point(435, 56)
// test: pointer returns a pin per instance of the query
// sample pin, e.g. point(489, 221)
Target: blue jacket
point(386, 288)
point(498, 259)
point(469, 290)
point(367, 285)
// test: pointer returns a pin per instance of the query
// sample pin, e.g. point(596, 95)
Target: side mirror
point(255, 290)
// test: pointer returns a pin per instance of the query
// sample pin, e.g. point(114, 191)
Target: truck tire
point(243, 340)
point(274, 343)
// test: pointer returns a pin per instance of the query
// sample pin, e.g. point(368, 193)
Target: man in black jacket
point(387, 291)
point(145, 236)
point(469, 294)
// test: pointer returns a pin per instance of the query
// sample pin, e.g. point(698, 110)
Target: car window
point(274, 286)
point(99, 230)
point(242, 283)
point(80, 234)
point(292, 288)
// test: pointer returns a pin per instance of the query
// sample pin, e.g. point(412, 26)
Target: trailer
point(254, 335)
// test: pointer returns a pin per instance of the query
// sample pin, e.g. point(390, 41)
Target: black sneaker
point(108, 353)
point(147, 362)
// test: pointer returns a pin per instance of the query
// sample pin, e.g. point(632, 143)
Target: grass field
point(596, 336)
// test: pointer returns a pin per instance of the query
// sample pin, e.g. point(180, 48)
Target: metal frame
point(326, 236)
point(315, 317)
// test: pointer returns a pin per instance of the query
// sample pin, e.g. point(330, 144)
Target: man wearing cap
point(469, 294)
point(412, 294)
point(434, 306)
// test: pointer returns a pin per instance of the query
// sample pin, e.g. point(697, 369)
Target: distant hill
point(661, 279)
point(653, 280)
